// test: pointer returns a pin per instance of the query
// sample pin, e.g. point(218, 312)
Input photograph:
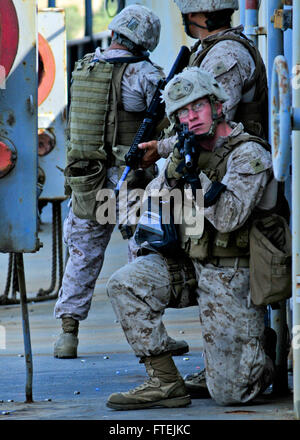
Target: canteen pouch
point(270, 260)
point(85, 178)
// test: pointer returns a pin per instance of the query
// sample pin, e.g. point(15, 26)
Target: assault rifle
point(154, 114)
point(186, 141)
point(187, 150)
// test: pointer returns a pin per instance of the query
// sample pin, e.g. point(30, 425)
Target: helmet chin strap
point(188, 23)
point(216, 119)
point(210, 25)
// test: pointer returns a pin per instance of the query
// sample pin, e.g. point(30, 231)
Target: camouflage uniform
point(87, 239)
point(232, 65)
point(232, 327)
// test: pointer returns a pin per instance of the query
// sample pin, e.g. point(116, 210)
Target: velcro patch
point(220, 68)
point(257, 166)
point(133, 24)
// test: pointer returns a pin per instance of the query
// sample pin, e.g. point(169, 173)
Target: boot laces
point(149, 383)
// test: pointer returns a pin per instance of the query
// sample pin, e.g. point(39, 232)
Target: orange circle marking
point(47, 77)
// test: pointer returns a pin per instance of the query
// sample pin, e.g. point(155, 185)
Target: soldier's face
point(200, 19)
point(197, 116)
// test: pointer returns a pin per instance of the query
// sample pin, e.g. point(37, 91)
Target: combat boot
point(164, 388)
point(177, 348)
point(269, 342)
point(196, 385)
point(66, 345)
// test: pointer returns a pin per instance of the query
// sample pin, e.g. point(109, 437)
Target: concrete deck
point(77, 389)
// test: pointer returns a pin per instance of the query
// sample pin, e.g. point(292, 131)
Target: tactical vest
point(253, 115)
point(98, 122)
point(213, 243)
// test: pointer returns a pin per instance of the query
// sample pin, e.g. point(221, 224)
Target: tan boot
point(165, 387)
point(195, 384)
point(66, 345)
point(177, 348)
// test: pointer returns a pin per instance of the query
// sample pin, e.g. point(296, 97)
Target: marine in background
point(110, 92)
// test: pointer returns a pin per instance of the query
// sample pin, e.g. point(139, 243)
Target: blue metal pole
point(51, 3)
point(288, 53)
point(288, 43)
point(242, 12)
point(251, 20)
point(296, 212)
point(278, 317)
point(88, 18)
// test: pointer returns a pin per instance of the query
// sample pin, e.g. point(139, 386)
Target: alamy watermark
point(178, 205)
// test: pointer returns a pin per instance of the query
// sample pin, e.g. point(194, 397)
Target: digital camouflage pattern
point(139, 24)
point(87, 242)
point(139, 80)
point(187, 6)
point(232, 66)
point(248, 170)
point(86, 239)
point(188, 86)
point(232, 327)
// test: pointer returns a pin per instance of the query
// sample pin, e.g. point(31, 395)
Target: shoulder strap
point(245, 42)
point(251, 138)
point(128, 60)
point(220, 157)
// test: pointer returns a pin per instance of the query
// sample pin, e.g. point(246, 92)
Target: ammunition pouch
point(183, 281)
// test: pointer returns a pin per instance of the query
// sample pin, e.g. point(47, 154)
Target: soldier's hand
point(151, 155)
point(176, 167)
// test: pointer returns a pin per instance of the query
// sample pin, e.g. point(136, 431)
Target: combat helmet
point(191, 84)
point(187, 6)
point(139, 24)
point(214, 7)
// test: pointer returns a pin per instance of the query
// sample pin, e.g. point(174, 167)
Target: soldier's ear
point(219, 108)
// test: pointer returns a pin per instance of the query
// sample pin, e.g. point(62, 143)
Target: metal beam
point(88, 18)
point(251, 20)
point(296, 211)
point(242, 12)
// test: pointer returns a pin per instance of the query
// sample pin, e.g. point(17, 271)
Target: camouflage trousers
point(231, 325)
point(87, 241)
